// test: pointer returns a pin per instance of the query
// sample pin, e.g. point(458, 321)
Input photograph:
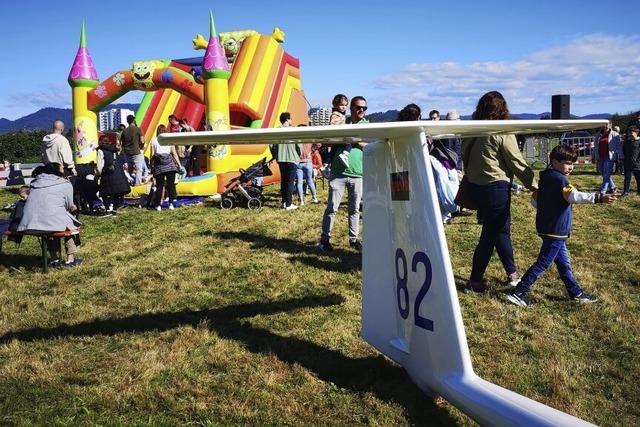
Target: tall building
point(319, 116)
point(111, 119)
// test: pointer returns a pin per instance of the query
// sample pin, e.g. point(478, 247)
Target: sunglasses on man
point(360, 107)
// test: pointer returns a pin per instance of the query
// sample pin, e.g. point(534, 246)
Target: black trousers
point(166, 180)
point(287, 179)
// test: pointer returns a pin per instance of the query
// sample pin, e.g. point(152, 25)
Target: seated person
point(48, 209)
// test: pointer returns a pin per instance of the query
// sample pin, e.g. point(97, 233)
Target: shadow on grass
point(19, 261)
point(307, 254)
point(365, 375)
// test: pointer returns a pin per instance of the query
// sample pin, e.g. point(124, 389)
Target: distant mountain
point(597, 116)
point(43, 118)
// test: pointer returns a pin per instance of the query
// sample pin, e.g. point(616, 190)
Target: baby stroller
point(245, 189)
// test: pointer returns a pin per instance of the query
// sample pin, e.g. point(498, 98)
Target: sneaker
point(315, 200)
point(325, 246)
point(76, 262)
point(291, 207)
point(301, 202)
point(171, 207)
point(518, 298)
point(158, 208)
point(513, 279)
point(55, 263)
point(355, 244)
point(344, 158)
point(584, 297)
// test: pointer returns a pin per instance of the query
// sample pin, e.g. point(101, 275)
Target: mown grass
point(208, 317)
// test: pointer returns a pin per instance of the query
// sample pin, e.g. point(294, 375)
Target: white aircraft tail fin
point(410, 309)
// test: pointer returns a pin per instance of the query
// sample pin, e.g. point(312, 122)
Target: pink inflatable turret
point(214, 63)
point(83, 72)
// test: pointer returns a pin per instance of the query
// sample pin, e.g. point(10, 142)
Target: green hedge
point(21, 146)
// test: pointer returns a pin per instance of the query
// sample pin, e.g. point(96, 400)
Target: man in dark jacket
point(132, 141)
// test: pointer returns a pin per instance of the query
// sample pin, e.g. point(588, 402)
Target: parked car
point(580, 140)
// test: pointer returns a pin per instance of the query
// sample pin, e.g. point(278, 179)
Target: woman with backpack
point(164, 165)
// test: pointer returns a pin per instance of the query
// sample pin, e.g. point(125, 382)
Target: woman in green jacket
point(490, 164)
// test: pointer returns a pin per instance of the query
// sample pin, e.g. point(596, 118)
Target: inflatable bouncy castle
point(244, 79)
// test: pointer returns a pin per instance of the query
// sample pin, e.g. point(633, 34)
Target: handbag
point(463, 197)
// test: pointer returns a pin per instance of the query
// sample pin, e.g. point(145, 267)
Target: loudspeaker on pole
point(560, 107)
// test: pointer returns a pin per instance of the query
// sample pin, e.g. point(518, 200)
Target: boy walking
point(553, 223)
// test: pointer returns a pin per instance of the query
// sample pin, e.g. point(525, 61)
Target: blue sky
point(441, 55)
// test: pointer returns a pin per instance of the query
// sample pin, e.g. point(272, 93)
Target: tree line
point(23, 146)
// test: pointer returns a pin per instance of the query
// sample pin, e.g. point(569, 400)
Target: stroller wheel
point(227, 203)
point(254, 204)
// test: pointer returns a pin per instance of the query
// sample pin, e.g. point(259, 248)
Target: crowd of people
point(488, 164)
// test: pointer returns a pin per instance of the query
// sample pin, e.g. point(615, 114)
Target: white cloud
point(51, 96)
point(18, 104)
point(600, 72)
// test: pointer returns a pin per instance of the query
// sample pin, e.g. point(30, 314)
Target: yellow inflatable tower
point(83, 78)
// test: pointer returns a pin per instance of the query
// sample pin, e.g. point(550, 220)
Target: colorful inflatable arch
point(246, 83)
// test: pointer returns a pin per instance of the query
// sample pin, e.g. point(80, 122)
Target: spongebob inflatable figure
point(143, 74)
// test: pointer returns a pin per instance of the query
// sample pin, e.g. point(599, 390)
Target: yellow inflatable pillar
point(83, 78)
point(216, 73)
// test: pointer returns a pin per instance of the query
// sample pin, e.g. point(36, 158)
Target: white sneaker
point(301, 202)
point(171, 206)
point(291, 207)
point(158, 208)
point(344, 158)
point(315, 200)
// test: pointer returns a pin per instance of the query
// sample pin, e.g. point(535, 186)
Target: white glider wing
point(371, 132)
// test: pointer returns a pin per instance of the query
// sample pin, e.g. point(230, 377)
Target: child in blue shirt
point(553, 223)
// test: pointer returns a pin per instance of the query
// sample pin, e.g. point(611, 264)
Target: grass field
point(208, 317)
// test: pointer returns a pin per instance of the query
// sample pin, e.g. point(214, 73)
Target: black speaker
point(560, 107)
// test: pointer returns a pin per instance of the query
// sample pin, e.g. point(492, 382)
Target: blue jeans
point(552, 250)
point(136, 162)
point(305, 170)
point(337, 186)
point(494, 207)
point(606, 168)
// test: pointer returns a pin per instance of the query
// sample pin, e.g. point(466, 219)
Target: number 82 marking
point(403, 291)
